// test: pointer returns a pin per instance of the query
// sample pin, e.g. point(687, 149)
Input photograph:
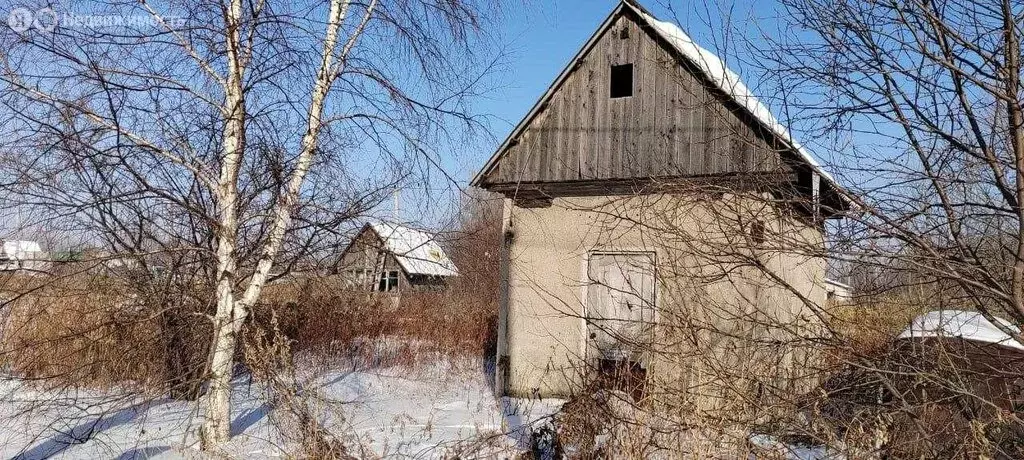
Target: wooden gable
point(675, 124)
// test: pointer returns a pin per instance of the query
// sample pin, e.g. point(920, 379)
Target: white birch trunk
point(231, 313)
point(217, 426)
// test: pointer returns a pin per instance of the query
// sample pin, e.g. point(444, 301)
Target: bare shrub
point(102, 330)
point(867, 325)
point(85, 330)
point(932, 398)
point(268, 355)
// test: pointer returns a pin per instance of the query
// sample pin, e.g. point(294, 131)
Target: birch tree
point(246, 134)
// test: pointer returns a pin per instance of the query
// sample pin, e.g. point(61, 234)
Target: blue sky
point(538, 38)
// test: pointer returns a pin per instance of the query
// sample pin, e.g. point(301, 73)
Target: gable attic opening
point(621, 81)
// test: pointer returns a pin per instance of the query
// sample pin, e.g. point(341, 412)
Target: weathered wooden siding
point(367, 253)
point(674, 125)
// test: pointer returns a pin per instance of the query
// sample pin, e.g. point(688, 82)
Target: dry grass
point(268, 355)
point(327, 323)
point(91, 327)
point(83, 330)
point(101, 331)
point(869, 325)
point(88, 327)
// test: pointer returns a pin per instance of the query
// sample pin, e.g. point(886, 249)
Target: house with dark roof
point(647, 187)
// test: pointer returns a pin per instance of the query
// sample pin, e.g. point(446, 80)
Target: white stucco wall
point(705, 275)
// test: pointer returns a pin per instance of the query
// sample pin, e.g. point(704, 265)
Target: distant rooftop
point(416, 251)
point(968, 325)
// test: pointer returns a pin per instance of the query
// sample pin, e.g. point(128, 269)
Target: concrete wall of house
point(706, 283)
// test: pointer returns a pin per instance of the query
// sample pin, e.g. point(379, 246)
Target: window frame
point(388, 281)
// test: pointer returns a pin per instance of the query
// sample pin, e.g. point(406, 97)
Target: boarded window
point(620, 305)
point(622, 81)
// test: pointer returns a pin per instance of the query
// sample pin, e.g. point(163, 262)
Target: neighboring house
point(948, 373)
point(385, 257)
point(23, 255)
point(592, 256)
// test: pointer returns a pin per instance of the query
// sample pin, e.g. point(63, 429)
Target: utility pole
point(395, 210)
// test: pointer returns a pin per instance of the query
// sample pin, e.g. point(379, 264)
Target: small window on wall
point(363, 278)
point(388, 281)
point(622, 81)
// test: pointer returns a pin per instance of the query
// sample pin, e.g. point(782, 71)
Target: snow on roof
point(968, 325)
point(417, 252)
point(727, 81)
point(17, 249)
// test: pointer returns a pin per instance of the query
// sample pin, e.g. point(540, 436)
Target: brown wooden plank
point(661, 157)
point(610, 158)
point(639, 126)
point(512, 172)
point(540, 150)
point(551, 161)
point(628, 149)
point(709, 124)
point(526, 150)
point(575, 127)
point(567, 133)
point(693, 154)
point(597, 139)
point(560, 155)
point(653, 101)
point(571, 134)
point(671, 118)
point(587, 123)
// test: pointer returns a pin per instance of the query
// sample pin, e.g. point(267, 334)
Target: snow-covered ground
point(427, 412)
